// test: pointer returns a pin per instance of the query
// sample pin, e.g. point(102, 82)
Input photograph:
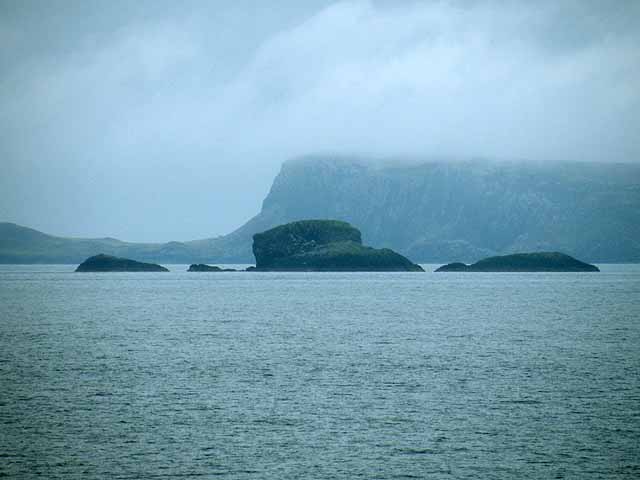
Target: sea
point(319, 375)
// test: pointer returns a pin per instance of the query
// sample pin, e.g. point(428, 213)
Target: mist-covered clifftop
point(441, 210)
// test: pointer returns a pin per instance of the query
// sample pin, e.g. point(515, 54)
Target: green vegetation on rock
point(322, 245)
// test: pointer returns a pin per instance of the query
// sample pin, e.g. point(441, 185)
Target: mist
point(151, 121)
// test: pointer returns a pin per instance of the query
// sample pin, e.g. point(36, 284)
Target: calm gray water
point(319, 375)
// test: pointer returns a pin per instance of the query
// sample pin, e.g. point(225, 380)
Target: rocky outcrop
point(108, 263)
point(322, 245)
point(201, 267)
point(524, 262)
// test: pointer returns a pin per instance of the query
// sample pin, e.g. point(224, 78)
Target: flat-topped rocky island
point(323, 246)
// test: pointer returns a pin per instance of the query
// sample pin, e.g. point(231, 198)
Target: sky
point(162, 120)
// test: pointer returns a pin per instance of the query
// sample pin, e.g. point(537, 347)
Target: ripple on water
point(277, 376)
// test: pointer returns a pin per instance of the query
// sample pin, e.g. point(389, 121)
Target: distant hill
point(24, 245)
point(431, 211)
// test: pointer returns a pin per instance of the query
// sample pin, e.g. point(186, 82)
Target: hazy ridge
point(430, 211)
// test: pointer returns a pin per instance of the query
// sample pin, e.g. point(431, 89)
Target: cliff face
point(439, 211)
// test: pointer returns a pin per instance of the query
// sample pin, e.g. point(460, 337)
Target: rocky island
point(323, 245)
point(524, 262)
point(108, 263)
point(201, 267)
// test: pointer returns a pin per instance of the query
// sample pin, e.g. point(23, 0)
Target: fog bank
point(154, 121)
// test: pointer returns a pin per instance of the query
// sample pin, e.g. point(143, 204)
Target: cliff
point(436, 211)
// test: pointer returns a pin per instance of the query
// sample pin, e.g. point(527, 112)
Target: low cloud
point(216, 97)
point(443, 79)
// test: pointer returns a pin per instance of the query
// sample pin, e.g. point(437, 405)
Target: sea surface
point(319, 375)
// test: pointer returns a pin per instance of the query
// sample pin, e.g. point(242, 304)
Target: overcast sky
point(164, 120)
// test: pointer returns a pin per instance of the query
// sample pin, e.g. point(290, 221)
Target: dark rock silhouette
point(201, 267)
point(322, 245)
point(108, 263)
point(524, 262)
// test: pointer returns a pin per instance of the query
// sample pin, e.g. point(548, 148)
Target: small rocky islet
point(109, 263)
point(201, 267)
point(524, 262)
